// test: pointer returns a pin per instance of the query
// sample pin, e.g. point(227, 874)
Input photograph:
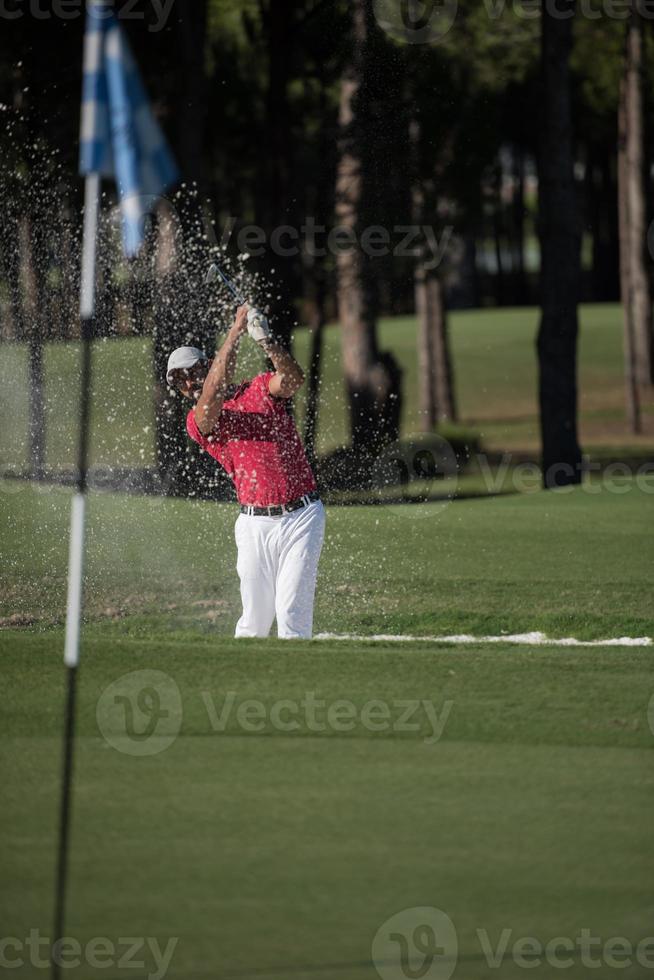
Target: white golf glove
point(258, 326)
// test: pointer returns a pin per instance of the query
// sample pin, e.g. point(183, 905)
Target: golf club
point(215, 272)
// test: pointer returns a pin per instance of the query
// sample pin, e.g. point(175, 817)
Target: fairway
point(270, 851)
point(272, 854)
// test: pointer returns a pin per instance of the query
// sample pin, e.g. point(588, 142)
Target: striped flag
point(119, 136)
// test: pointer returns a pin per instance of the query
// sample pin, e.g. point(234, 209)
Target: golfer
point(248, 430)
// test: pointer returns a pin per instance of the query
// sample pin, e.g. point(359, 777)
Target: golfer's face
point(190, 380)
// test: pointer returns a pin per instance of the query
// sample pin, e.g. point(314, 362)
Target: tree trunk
point(426, 363)
point(11, 266)
point(519, 225)
point(500, 291)
point(427, 405)
point(603, 197)
point(632, 395)
point(635, 284)
point(372, 378)
point(435, 382)
point(560, 248)
point(277, 18)
point(443, 373)
point(192, 106)
point(277, 200)
point(320, 204)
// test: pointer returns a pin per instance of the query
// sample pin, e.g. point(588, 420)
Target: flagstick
point(76, 551)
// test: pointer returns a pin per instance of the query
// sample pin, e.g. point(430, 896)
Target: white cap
point(183, 357)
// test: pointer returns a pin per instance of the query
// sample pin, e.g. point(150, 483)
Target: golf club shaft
point(238, 296)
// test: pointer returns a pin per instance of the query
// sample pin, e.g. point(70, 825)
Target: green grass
point(565, 562)
point(272, 854)
point(494, 360)
point(279, 854)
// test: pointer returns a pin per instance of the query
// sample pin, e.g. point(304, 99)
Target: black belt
point(279, 509)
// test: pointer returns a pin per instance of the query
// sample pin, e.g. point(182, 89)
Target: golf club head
point(214, 272)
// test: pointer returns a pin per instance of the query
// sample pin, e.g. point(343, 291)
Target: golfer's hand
point(240, 325)
point(258, 326)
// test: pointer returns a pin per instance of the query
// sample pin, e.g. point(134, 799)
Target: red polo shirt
point(255, 440)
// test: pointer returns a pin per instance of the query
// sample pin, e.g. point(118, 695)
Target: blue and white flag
point(119, 136)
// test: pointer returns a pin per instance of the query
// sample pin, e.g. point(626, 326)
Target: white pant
point(277, 565)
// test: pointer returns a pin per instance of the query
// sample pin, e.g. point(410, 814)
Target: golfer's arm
point(210, 403)
point(289, 376)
